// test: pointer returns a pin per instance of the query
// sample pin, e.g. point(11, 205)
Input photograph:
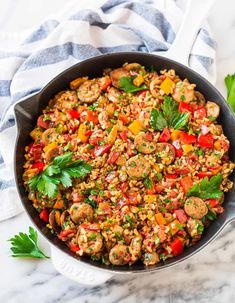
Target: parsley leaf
point(128, 86)
point(60, 171)
point(207, 189)
point(230, 84)
point(148, 183)
point(169, 116)
point(24, 245)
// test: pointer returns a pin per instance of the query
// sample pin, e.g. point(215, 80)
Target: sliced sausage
point(119, 255)
point(89, 91)
point(212, 109)
point(143, 145)
point(165, 153)
point(133, 66)
point(54, 220)
point(52, 150)
point(135, 247)
point(113, 95)
point(138, 167)
point(195, 207)
point(91, 242)
point(183, 89)
point(80, 212)
point(117, 74)
point(150, 258)
point(200, 98)
point(49, 135)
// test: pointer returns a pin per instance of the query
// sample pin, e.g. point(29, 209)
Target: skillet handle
point(78, 271)
point(195, 13)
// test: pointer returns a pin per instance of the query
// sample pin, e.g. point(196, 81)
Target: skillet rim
point(96, 265)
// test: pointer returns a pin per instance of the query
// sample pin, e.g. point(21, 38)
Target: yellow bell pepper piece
point(174, 227)
point(138, 80)
point(167, 86)
point(77, 82)
point(59, 204)
point(110, 109)
point(156, 167)
point(36, 134)
point(81, 133)
point(160, 219)
point(175, 134)
point(113, 134)
point(49, 146)
point(150, 198)
point(217, 145)
point(187, 148)
point(135, 127)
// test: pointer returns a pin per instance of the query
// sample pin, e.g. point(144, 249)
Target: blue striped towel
point(83, 30)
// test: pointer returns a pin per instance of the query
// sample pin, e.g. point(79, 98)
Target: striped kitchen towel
point(81, 30)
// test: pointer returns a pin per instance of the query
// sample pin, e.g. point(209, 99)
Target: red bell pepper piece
point(74, 248)
point(123, 135)
point(182, 171)
point(123, 117)
point(185, 107)
point(88, 133)
point(106, 84)
point(44, 215)
point(165, 135)
point(181, 215)
point(186, 183)
point(178, 152)
point(177, 247)
point(91, 226)
point(206, 141)
point(38, 165)
point(200, 113)
point(142, 93)
point(186, 138)
point(74, 114)
point(171, 176)
point(100, 150)
point(65, 233)
point(113, 156)
point(203, 174)
point(212, 202)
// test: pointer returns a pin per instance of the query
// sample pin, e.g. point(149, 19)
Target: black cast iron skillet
point(29, 109)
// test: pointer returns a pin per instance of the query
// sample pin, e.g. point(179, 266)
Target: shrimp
point(89, 91)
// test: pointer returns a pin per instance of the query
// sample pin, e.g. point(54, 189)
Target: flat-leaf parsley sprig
point(60, 171)
point(25, 246)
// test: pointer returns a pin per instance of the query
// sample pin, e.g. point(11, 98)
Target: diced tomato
point(149, 136)
point(91, 226)
point(65, 233)
point(100, 150)
point(123, 187)
point(35, 150)
point(165, 135)
point(212, 202)
point(178, 152)
point(181, 215)
point(203, 174)
point(185, 107)
point(90, 116)
point(142, 93)
point(113, 156)
point(74, 114)
point(106, 84)
point(123, 117)
point(38, 165)
point(43, 124)
point(200, 113)
point(186, 183)
point(74, 248)
point(177, 247)
point(88, 133)
point(123, 135)
point(182, 171)
point(159, 188)
point(171, 176)
point(44, 215)
point(186, 138)
point(206, 141)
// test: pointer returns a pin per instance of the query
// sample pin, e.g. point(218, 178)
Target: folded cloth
point(81, 30)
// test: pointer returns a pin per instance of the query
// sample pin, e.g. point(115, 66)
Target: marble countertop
point(207, 277)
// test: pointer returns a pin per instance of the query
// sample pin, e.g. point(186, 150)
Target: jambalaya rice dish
point(128, 167)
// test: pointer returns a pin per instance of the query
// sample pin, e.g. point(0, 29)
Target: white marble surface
point(207, 277)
